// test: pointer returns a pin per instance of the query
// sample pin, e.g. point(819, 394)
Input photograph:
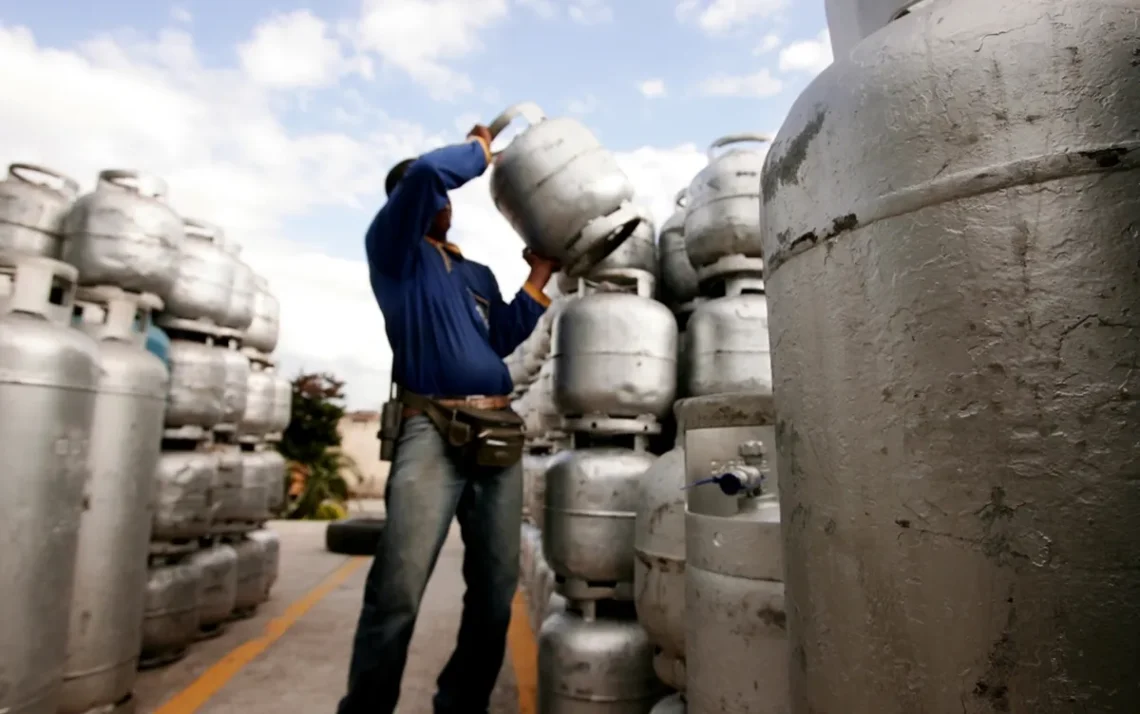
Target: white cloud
point(583, 105)
point(420, 37)
point(214, 136)
point(770, 42)
point(589, 12)
point(811, 56)
point(180, 14)
point(295, 50)
point(758, 84)
point(543, 8)
point(652, 88)
point(717, 16)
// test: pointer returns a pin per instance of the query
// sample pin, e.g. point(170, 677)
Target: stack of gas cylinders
point(137, 486)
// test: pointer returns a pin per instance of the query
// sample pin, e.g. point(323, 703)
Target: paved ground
point(293, 656)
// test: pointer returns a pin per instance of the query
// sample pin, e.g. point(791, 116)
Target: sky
point(279, 120)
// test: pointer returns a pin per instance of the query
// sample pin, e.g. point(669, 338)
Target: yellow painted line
point(524, 655)
point(193, 697)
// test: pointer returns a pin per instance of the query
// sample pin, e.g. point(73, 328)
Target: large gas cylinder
point(659, 570)
point(736, 645)
point(48, 376)
point(204, 279)
point(953, 288)
point(270, 544)
point(595, 665)
point(723, 215)
point(197, 382)
point(114, 530)
point(254, 501)
point(591, 502)
point(251, 575)
point(183, 482)
point(726, 341)
point(259, 417)
point(124, 234)
point(263, 330)
point(678, 277)
point(227, 494)
point(274, 464)
point(217, 591)
point(236, 386)
point(33, 203)
point(638, 252)
point(170, 621)
point(615, 354)
point(563, 193)
point(239, 314)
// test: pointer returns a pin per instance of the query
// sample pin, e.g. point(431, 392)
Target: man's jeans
point(425, 490)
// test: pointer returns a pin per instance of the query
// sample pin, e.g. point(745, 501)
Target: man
point(449, 329)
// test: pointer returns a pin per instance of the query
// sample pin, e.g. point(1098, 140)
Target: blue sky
point(279, 119)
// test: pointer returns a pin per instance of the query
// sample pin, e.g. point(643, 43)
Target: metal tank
point(591, 501)
point(239, 314)
point(561, 191)
point(204, 282)
point(259, 415)
point(124, 234)
point(271, 552)
point(726, 341)
point(197, 382)
point(638, 252)
point(262, 332)
point(274, 464)
point(615, 354)
point(235, 390)
point(114, 530)
point(183, 482)
point(534, 464)
point(659, 568)
point(964, 279)
point(849, 22)
point(250, 576)
point(217, 591)
point(33, 203)
point(678, 277)
point(736, 645)
point(227, 493)
point(282, 402)
point(170, 621)
point(48, 376)
point(723, 216)
point(254, 504)
point(599, 664)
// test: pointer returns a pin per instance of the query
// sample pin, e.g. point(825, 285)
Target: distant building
point(359, 440)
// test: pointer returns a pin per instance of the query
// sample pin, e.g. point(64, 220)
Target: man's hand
point(480, 132)
point(540, 268)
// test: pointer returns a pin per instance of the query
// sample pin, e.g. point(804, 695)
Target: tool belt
point(483, 430)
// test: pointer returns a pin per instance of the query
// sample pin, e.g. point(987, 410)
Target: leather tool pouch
point(491, 438)
point(391, 420)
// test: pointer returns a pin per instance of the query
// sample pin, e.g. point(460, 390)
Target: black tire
point(354, 536)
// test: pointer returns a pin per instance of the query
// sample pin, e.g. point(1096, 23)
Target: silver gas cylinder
point(217, 591)
point(534, 464)
point(274, 464)
point(271, 554)
point(227, 492)
point(638, 252)
point(615, 354)
point(672, 704)
point(282, 402)
point(124, 234)
point(33, 203)
point(265, 326)
point(251, 576)
point(678, 277)
point(183, 481)
point(239, 314)
point(114, 530)
point(259, 415)
point(597, 662)
point(563, 193)
point(723, 216)
point(170, 621)
point(659, 568)
point(953, 292)
point(254, 500)
point(849, 22)
point(591, 501)
point(49, 373)
point(204, 281)
point(197, 381)
point(736, 642)
point(235, 390)
point(726, 341)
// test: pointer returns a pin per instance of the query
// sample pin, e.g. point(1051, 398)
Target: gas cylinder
point(33, 203)
point(197, 381)
point(723, 215)
point(638, 252)
point(851, 21)
point(282, 403)
point(952, 289)
point(726, 341)
point(49, 373)
point(227, 494)
point(270, 544)
point(259, 417)
point(251, 575)
point(183, 481)
point(274, 464)
point(204, 277)
point(217, 591)
point(170, 621)
point(235, 390)
point(239, 314)
point(265, 326)
point(678, 277)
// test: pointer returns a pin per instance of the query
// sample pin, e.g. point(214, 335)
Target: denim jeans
point(426, 488)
